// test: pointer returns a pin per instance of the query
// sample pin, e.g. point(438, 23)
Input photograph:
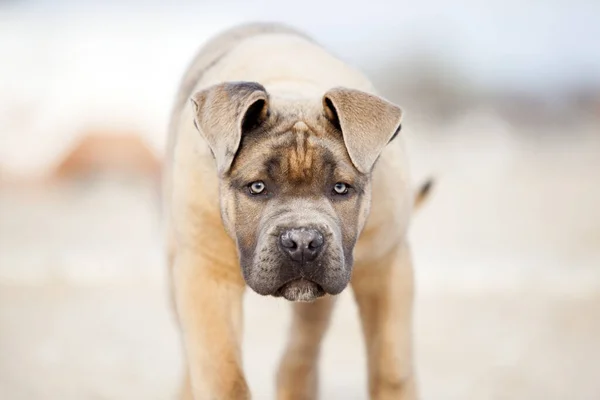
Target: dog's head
point(295, 184)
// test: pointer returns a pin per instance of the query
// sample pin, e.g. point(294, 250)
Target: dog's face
point(297, 205)
point(294, 181)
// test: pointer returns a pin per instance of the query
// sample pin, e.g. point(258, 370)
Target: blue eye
point(340, 188)
point(257, 187)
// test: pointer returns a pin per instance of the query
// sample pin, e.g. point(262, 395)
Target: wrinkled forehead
point(295, 151)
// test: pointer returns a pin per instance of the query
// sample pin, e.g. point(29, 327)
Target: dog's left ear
point(368, 123)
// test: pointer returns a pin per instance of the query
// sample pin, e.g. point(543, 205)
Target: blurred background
point(502, 102)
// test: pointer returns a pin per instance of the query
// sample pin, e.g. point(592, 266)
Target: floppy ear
point(368, 123)
point(224, 112)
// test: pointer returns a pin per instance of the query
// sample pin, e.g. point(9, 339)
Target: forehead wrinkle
point(301, 158)
point(304, 158)
point(292, 151)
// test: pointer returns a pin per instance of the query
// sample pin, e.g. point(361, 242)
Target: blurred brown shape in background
point(101, 152)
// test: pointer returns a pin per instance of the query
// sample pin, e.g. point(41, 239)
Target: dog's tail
point(423, 193)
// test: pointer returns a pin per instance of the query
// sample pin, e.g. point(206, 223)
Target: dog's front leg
point(384, 293)
point(209, 307)
point(297, 378)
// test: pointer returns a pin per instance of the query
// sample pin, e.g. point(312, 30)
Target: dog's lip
point(297, 279)
point(299, 276)
point(315, 289)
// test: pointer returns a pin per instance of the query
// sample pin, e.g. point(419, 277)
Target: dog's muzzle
point(302, 246)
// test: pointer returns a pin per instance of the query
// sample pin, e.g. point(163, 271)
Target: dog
point(286, 173)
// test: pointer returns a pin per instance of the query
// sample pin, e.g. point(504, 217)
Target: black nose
point(301, 244)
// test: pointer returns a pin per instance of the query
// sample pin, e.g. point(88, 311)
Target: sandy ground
point(507, 255)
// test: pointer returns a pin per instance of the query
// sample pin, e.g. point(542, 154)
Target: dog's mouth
point(300, 289)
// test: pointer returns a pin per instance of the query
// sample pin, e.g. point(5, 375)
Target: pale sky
point(535, 44)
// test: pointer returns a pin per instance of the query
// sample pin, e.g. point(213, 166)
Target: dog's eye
point(340, 188)
point(257, 187)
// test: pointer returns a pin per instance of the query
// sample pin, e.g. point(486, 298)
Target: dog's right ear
point(224, 112)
